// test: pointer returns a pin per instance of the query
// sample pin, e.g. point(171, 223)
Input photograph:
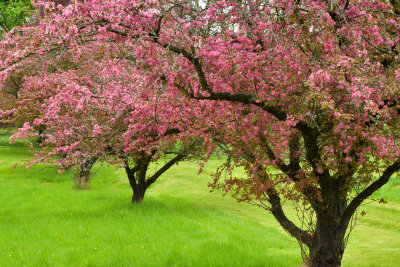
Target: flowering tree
point(12, 13)
point(96, 112)
point(305, 93)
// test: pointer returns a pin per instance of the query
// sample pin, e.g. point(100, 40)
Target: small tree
point(97, 112)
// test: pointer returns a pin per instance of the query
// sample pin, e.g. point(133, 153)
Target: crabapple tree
point(303, 93)
point(85, 112)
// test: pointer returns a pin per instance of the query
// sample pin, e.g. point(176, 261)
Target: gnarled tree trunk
point(138, 193)
point(137, 175)
point(82, 178)
point(328, 245)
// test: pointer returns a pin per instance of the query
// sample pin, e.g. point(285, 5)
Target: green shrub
point(13, 13)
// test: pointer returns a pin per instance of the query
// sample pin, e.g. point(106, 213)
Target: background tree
point(98, 112)
point(13, 13)
point(304, 92)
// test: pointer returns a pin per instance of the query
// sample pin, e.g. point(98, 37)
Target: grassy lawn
point(45, 222)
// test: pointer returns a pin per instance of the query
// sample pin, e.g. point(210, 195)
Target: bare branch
point(163, 169)
point(356, 202)
point(276, 209)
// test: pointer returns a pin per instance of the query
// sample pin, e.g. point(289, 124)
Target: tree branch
point(293, 169)
point(131, 173)
point(294, 149)
point(168, 165)
point(246, 99)
point(356, 202)
point(276, 209)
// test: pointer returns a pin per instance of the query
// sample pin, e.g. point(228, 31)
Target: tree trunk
point(327, 251)
point(82, 180)
point(40, 139)
point(137, 181)
point(138, 193)
point(328, 243)
point(137, 175)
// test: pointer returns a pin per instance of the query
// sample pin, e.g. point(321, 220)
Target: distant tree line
point(13, 13)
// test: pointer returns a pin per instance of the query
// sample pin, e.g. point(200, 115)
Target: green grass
point(45, 222)
point(7, 131)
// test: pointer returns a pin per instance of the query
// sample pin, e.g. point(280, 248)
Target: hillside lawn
point(44, 221)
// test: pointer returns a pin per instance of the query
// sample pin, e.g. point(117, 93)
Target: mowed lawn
point(44, 221)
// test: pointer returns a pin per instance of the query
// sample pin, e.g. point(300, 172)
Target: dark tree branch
point(168, 165)
point(238, 98)
point(248, 99)
point(294, 149)
point(131, 173)
point(310, 137)
point(367, 192)
point(170, 131)
point(276, 209)
point(195, 61)
point(271, 155)
point(143, 164)
point(117, 32)
point(293, 169)
point(346, 6)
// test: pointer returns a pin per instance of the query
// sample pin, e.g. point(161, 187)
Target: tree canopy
point(303, 94)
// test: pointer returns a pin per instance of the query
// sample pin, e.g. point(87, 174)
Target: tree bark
point(328, 252)
point(137, 175)
point(82, 181)
point(138, 186)
point(138, 193)
point(328, 243)
point(137, 178)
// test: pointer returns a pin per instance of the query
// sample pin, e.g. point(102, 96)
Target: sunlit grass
point(45, 222)
point(6, 131)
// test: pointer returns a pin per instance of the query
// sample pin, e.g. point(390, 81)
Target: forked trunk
point(137, 175)
point(137, 181)
point(138, 193)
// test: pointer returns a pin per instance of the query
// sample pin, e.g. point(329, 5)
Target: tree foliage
point(303, 94)
point(12, 13)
